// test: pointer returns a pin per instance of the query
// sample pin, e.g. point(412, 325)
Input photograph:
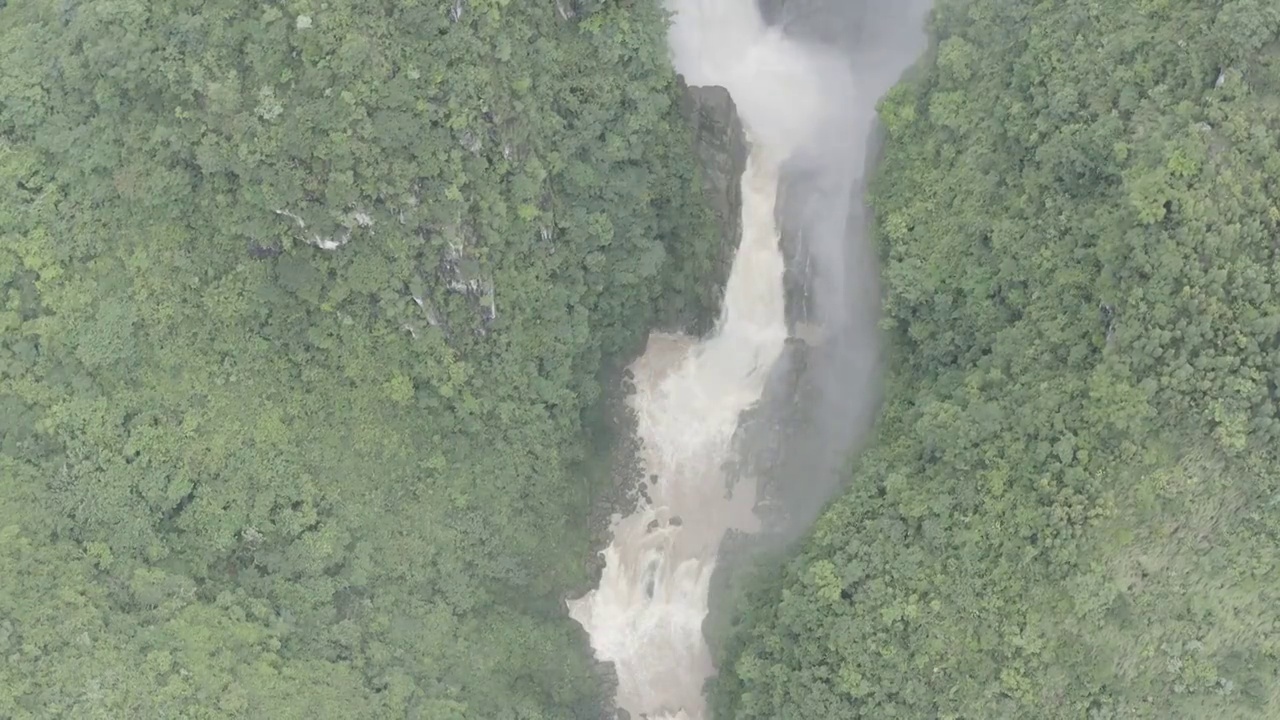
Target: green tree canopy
point(301, 306)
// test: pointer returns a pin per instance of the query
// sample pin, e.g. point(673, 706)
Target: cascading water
point(646, 614)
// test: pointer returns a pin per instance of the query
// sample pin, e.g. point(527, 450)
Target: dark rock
point(675, 521)
point(720, 145)
point(798, 262)
point(771, 11)
point(263, 252)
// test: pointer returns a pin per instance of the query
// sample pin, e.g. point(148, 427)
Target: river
point(799, 101)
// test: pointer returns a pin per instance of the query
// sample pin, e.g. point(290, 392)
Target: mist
point(807, 110)
point(866, 45)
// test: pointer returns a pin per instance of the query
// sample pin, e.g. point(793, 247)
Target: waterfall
point(646, 614)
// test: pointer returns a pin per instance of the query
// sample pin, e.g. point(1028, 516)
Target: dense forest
point(303, 308)
point(1071, 506)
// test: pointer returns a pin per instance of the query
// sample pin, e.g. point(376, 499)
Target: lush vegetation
point(301, 308)
point(1072, 507)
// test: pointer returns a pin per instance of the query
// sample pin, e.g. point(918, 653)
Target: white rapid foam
point(646, 615)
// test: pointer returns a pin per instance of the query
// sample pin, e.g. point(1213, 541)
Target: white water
point(646, 615)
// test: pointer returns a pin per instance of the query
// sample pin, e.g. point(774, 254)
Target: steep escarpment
point(1069, 505)
point(720, 147)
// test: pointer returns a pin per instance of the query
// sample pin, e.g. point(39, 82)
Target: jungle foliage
point(301, 307)
point(1072, 505)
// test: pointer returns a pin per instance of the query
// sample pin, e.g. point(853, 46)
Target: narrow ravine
point(646, 614)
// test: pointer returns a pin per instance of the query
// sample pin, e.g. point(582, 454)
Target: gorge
point(315, 321)
point(808, 111)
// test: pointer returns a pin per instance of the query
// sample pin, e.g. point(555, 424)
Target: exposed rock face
point(721, 148)
point(766, 438)
point(797, 256)
point(720, 145)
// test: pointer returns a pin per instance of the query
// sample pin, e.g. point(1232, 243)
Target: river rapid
point(798, 102)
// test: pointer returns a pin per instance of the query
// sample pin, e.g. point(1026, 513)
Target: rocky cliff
point(720, 145)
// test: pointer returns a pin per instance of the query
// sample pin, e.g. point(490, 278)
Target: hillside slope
point(1072, 505)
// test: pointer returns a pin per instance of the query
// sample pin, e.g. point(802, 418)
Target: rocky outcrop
point(767, 432)
point(797, 256)
point(720, 145)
